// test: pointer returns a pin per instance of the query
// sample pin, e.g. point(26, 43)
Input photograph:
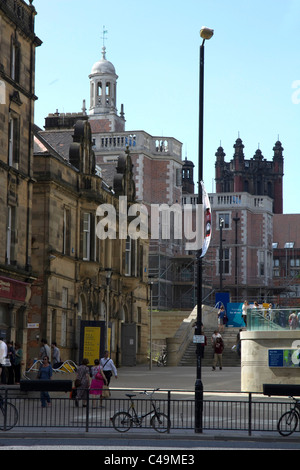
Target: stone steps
point(230, 357)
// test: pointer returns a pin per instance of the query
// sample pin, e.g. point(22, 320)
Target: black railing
point(230, 411)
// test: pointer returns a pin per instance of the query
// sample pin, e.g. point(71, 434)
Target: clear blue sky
point(251, 65)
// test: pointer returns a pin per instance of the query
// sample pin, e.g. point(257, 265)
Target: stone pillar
point(173, 345)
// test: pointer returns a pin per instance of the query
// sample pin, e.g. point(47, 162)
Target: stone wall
point(255, 370)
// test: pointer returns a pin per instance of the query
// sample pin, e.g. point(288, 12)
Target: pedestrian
point(45, 350)
point(3, 354)
point(238, 343)
point(221, 315)
point(45, 373)
point(108, 366)
point(11, 356)
point(56, 362)
point(98, 380)
point(18, 363)
point(82, 382)
point(214, 336)
point(293, 321)
point(270, 314)
point(218, 351)
point(244, 311)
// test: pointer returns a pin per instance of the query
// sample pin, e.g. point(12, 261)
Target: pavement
point(177, 378)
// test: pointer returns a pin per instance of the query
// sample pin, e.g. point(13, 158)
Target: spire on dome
point(103, 37)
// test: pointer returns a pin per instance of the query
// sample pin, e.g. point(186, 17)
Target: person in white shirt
point(3, 354)
point(108, 366)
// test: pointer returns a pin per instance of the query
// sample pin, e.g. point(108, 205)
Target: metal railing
point(233, 411)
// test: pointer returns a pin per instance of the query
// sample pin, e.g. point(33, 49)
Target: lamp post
point(221, 225)
point(108, 273)
point(205, 33)
point(150, 354)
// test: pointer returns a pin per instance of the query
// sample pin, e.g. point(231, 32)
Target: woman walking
point(45, 373)
point(82, 382)
point(98, 380)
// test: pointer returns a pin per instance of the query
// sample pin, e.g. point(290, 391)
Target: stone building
point(17, 71)
point(84, 281)
point(157, 169)
point(248, 196)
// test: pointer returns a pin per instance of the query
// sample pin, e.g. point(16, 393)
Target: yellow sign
point(91, 343)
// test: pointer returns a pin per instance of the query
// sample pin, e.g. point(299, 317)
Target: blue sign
point(284, 357)
point(222, 298)
point(234, 314)
point(275, 357)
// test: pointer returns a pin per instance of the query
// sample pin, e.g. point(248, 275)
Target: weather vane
point(104, 35)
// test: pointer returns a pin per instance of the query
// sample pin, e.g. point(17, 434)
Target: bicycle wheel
point(122, 421)
point(287, 423)
point(8, 416)
point(160, 422)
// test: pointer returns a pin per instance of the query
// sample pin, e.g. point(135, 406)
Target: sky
point(251, 80)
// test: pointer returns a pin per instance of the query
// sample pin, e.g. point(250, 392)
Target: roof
point(286, 229)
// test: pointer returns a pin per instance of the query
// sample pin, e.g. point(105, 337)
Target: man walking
point(108, 366)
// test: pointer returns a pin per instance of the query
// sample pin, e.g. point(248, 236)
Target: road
point(147, 447)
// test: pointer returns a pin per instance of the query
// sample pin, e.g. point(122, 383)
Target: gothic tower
point(256, 176)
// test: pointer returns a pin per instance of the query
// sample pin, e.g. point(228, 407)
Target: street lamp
point(108, 273)
point(151, 293)
point(205, 33)
point(221, 225)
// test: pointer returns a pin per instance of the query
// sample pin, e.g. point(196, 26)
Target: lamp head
point(206, 33)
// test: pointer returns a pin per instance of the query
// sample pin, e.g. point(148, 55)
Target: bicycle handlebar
point(149, 393)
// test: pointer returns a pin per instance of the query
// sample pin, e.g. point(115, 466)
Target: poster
point(91, 343)
point(234, 314)
point(92, 340)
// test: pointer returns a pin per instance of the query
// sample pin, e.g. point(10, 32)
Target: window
point(226, 218)
point(86, 235)
point(295, 263)
point(11, 234)
point(261, 263)
point(133, 258)
point(289, 245)
point(64, 297)
point(225, 265)
point(128, 257)
point(67, 232)
point(88, 250)
point(15, 60)
point(14, 141)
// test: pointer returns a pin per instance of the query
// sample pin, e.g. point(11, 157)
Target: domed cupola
point(103, 86)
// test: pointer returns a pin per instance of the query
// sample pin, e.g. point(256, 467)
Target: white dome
point(103, 66)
